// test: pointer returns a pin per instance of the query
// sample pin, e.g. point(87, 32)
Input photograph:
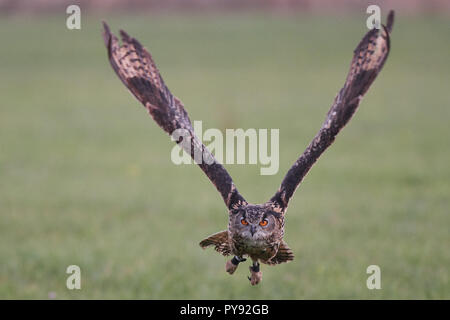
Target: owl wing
point(284, 254)
point(220, 241)
point(135, 67)
point(368, 60)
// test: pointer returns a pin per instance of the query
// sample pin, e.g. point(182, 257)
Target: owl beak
point(252, 229)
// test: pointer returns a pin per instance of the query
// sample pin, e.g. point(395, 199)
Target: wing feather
point(368, 60)
point(136, 68)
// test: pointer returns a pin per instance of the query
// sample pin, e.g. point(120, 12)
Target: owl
point(255, 231)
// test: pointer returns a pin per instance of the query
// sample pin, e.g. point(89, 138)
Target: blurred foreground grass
point(86, 176)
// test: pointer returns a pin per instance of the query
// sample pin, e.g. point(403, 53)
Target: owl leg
point(255, 273)
point(232, 264)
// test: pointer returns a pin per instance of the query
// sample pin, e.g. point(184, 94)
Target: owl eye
point(263, 223)
point(244, 222)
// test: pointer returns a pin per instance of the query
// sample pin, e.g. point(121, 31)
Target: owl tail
point(220, 242)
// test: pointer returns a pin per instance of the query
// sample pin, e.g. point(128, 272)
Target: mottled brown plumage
point(135, 67)
point(254, 231)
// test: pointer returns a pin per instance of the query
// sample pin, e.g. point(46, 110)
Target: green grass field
point(86, 176)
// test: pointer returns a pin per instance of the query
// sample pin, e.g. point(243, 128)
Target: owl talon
point(256, 274)
point(230, 267)
point(232, 264)
point(255, 277)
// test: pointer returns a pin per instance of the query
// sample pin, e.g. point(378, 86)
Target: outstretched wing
point(137, 70)
point(369, 57)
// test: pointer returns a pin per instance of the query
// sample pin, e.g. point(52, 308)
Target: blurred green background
point(86, 176)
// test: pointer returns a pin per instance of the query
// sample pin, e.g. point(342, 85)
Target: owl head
point(255, 222)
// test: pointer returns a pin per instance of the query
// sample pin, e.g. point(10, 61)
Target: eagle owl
point(254, 231)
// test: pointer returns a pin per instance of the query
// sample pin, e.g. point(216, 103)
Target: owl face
point(254, 222)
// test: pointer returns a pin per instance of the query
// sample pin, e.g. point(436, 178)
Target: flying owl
point(254, 230)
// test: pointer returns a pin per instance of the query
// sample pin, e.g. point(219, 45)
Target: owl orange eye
point(263, 223)
point(244, 222)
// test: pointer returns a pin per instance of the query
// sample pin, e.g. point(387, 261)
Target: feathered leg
point(232, 264)
point(255, 273)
